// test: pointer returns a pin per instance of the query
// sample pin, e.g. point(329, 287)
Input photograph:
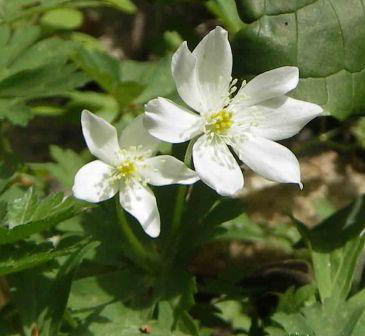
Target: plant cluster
point(146, 228)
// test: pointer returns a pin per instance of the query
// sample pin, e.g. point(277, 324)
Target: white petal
point(93, 182)
point(135, 134)
point(268, 85)
point(269, 159)
point(183, 67)
point(283, 117)
point(169, 122)
point(165, 169)
point(100, 137)
point(140, 202)
point(214, 68)
point(217, 167)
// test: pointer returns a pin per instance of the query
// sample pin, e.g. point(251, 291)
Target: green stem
point(175, 229)
point(134, 249)
point(180, 199)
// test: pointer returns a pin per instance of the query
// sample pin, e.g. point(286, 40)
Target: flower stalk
point(133, 246)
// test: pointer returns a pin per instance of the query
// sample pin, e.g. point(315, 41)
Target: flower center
point(219, 122)
point(126, 169)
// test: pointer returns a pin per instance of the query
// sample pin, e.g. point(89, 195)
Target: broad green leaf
point(325, 39)
point(226, 12)
point(335, 246)
point(118, 319)
point(28, 215)
point(62, 18)
point(126, 285)
point(59, 292)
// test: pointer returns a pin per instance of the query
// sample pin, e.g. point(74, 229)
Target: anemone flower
point(248, 120)
point(127, 166)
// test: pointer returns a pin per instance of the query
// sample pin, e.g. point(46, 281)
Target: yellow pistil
point(126, 169)
point(219, 122)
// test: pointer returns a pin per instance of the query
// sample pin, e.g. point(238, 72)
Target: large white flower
point(257, 115)
point(126, 166)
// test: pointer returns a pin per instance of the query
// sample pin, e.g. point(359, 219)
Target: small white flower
point(126, 167)
point(250, 122)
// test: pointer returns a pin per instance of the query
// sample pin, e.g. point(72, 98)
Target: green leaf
point(12, 261)
point(62, 18)
point(118, 319)
point(105, 70)
point(282, 32)
point(178, 288)
point(29, 215)
point(67, 164)
point(50, 50)
point(154, 76)
point(334, 317)
point(15, 111)
point(165, 315)
point(233, 313)
point(359, 131)
point(293, 300)
point(335, 246)
point(58, 295)
point(44, 81)
point(126, 6)
point(125, 285)
point(21, 210)
point(226, 11)
point(14, 43)
point(104, 105)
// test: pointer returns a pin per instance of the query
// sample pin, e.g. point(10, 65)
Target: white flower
point(250, 122)
point(126, 167)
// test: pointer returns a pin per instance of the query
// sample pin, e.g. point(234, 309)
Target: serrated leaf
point(14, 43)
point(28, 215)
point(67, 164)
point(18, 260)
point(282, 32)
point(21, 210)
point(44, 81)
point(15, 111)
point(105, 70)
point(50, 50)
